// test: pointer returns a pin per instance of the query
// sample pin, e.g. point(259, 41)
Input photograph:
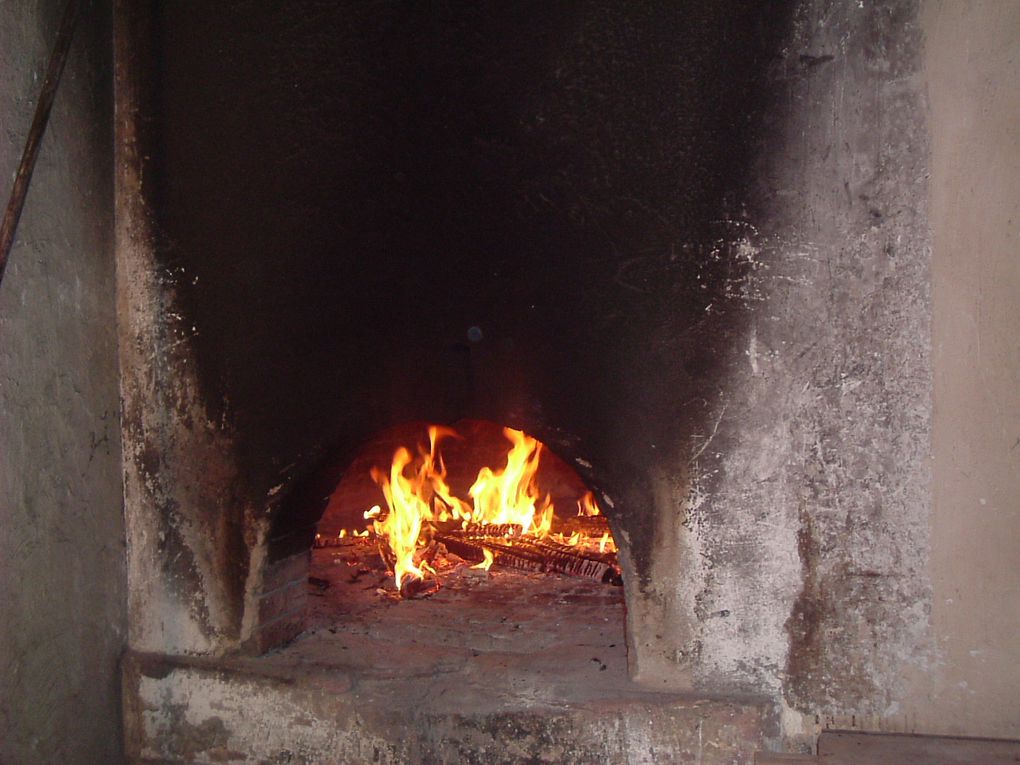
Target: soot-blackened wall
point(347, 190)
point(377, 213)
point(684, 243)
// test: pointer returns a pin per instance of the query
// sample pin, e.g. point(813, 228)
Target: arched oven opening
point(467, 515)
point(333, 219)
point(473, 543)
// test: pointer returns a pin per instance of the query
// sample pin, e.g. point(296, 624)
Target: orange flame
point(605, 542)
point(410, 501)
point(402, 526)
point(436, 474)
point(587, 505)
point(486, 564)
point(511, 495)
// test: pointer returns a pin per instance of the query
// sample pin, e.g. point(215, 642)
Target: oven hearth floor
point(504, 668)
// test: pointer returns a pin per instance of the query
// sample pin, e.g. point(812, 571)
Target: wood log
point(411, 588)
point(564, 559)
point(536, 555)
point(467, 549)
point(480, 530)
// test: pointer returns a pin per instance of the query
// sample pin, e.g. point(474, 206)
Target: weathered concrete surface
point(905, 612)
point(851, 748)
point(800, 568)
point(62, 617)
point(972, 71)
point(505, 667)
point(231, 718)
point(751, 378)
point(190, 536)
point(846, 748)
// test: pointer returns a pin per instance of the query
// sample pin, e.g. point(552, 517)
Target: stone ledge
point(266, 709)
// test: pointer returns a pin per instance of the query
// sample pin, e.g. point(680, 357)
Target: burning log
point(481, 530)
point(564, 559)
point(509, 515)
point(468, 549)
point(535, 555)
point(488, 530)
point(410, 586)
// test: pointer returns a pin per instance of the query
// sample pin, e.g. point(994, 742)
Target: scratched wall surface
point(808, 512)
point(61, 524)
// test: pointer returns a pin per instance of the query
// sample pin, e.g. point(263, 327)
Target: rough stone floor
point(484, 640)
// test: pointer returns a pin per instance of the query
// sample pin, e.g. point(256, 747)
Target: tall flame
point(511, 495)
point(418, 496)
point(402, 526)
point(587, 505)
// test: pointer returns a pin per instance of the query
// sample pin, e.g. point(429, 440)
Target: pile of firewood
point(507, 546)
point(530, 554)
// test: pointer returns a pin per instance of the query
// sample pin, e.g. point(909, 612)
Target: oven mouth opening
point(541, 628)
point(511, 565)
point(427, 502)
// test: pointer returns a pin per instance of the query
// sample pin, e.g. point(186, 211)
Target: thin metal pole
point(35, 134)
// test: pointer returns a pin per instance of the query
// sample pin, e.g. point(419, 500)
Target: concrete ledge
point(245, 709)
point(855, 748)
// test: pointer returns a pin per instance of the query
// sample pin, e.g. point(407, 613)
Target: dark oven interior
point(525, 213)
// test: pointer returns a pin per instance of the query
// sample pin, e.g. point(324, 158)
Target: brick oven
point(682, 244)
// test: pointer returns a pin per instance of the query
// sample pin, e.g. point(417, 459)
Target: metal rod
point(35, 134)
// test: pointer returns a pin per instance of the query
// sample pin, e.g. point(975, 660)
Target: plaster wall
point(850, 524)
point(972, 68)
point(185, 523)
point(62, 616)
point(799, 568)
